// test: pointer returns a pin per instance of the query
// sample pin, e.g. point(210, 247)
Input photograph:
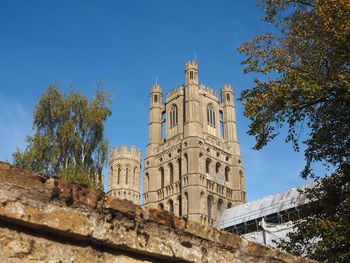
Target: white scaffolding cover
point(262, 207)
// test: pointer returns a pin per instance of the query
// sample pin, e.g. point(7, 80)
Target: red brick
point(165, 218)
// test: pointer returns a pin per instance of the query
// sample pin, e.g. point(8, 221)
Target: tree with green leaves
point(305, 85)
point(69, 136)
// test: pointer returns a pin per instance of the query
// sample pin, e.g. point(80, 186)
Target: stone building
point(193, 166)
point(124, 173)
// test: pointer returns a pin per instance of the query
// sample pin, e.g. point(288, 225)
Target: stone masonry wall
point(44, 219)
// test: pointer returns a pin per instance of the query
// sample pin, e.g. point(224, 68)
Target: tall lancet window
point(127, 176)
point(211, 115)
point(134, 177)
point(171, 206)
point(161, 177)
point(173, 116)
point(118, 175)
point(209, 205)
point(171, 170)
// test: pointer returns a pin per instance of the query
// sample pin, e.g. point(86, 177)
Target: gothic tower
point(194, 168)
point(124, 173)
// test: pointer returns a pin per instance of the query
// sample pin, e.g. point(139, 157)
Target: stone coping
point(50, 208)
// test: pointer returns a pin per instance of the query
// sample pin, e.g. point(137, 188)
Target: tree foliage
point(324, 234)
point(69, 139)
point(307, 87)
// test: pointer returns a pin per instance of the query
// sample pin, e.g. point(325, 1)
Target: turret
point(229, 117)
point(191, 72)
point(125, 173)
point(155, 118)
point(192, 125)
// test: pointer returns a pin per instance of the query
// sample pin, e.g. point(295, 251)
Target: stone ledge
point(89, 218)
point(15, 176)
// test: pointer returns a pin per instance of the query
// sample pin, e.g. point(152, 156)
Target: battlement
point(226, 88)
point(208, 90)
point(124, 151)
point(156, 89)
point(175, 91)
point(191, 64)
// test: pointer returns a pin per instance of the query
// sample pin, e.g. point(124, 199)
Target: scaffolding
point(278, 208)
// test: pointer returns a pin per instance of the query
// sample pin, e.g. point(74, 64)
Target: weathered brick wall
point(43, 219)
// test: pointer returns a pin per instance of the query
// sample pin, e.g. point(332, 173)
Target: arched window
point(127, 176)
point(228, 97)
point(163, 125)
point(186, 203)
point(173, 116)
point(207, 165)
point(222, 134)
point(179, 167)
point(211, 115)
point(171, 206)
point(217, 169)
point(241, 179)
point(208, 115)
point(209, 204)
point(161, 206)
point(171, 170)
point(202, 202)
point(145, 184)
point(134, 177)
point(186, 160)
point(220, 202)
point(219, 176)
point(229, 205)
point(155, 98)
point(227, 171)
point(161, 177)
point(118, 175)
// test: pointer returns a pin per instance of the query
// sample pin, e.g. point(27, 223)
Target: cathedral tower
point(194, 169)
point(124, 173)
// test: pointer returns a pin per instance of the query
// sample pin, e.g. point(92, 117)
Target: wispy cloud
point(15, 124)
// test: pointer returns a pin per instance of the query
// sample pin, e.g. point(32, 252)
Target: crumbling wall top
point(41, 213)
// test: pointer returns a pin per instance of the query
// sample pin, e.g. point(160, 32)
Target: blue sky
point(127, 44)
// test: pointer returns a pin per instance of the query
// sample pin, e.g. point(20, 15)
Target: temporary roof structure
point(262, 207)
